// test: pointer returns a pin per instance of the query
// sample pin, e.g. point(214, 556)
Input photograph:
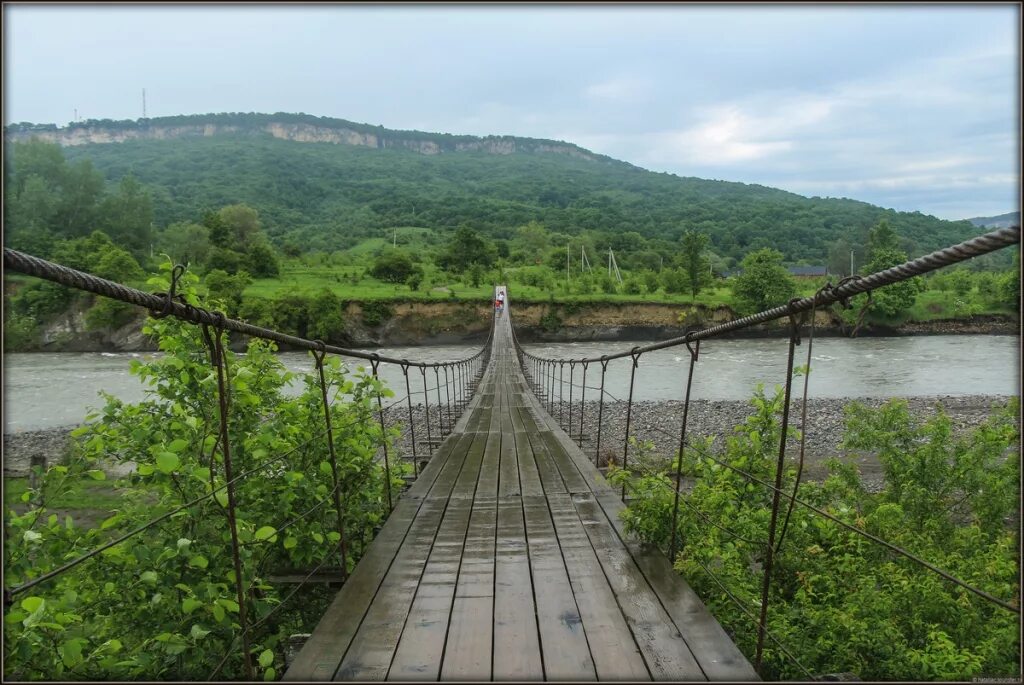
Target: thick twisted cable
point(41, 268)
point(982, 244)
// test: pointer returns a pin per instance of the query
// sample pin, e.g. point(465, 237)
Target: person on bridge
point(500, 304)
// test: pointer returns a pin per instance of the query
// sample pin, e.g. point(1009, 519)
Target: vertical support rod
point(426, 408)
point(374, 363)
point(629, 416)
point(682, 446)
point(583, 397)
point(440, 409)
point(448, 397)
point(572, 370)
point(319, 357)
point(412, 426)
point(561, 392)
point(600, 414)
point(217, 352)
point(794, 340)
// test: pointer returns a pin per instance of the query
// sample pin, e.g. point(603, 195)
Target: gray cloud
point(915, 108)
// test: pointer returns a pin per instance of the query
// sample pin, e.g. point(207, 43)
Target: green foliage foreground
point(163, 604)
point(840, 602)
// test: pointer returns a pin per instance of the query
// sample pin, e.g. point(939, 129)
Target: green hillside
point(325, 196)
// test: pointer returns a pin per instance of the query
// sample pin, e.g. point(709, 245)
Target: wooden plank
point(563, 638)
point(517, 645)
point(323, 651)
point(487, 485)
point(434, 467)
point(514, 415)
point(453, 466)
point(465, 486)
point(467, 654)
point(549, 475)
point(717, 654)
point(369, 655)
point(508, 467)
point(667, 655)
point(529, 478)
point(421, 646)
point(574, 482)
point(616, 656)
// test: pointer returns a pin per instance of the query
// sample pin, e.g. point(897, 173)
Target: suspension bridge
point(507, 558)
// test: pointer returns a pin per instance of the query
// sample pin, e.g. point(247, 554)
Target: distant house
point(794, 271)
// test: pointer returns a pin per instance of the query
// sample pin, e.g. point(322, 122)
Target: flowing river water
point(48, 390)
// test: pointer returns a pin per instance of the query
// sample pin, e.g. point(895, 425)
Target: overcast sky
point(916, 108)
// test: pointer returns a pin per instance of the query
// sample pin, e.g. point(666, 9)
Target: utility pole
point(76, 115)
point(567, 265)
point(394, 241)
point(143, 103)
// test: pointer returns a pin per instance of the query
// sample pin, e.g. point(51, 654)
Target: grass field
point(87, 502)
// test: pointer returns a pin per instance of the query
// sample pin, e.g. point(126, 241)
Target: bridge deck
point(506, 560)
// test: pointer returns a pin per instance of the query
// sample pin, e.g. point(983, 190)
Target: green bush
point(838, 602)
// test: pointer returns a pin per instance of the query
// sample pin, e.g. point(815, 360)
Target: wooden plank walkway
point(507, 560)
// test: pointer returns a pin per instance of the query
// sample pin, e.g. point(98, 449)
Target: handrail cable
point(41, 268)
point(979, 245)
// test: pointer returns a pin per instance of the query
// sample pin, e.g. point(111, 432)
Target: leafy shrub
point(839, 602)
point(163, 604)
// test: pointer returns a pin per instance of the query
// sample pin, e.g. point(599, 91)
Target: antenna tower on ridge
point(143, 103)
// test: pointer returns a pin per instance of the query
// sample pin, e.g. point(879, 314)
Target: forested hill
point(326, 193)
point(1001, 221)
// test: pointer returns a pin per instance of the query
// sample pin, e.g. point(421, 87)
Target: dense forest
point(325, 197)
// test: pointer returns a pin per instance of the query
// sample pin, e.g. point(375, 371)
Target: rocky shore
point(658, 422)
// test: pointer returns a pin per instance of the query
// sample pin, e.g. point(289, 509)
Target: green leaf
point(334, 536)
point(15, 617)
point(198, 632)
point(270, 674)
point(183, 543)
point(189, 604)
point(148, 577)
point(71, 653)
point(229, 604)
point(167, 461)
point(290, 542)
point(265, 533)
point(113, 520)
point(178, 445)
point(145, 469)
point(198, 561)
point(97, 474)
point(318, 537)
point(266, 658)
point(30, 604)
point(222, 498)
point(218, 612)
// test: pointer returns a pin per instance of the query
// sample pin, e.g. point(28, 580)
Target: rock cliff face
point(301, 133)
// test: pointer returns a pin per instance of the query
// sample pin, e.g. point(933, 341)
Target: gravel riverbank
point(658, 422)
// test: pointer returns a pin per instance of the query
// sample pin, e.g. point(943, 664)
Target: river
point(47, 390)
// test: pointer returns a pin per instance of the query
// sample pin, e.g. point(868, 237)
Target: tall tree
point(466, 248)
point(764, 282)
point(884, 252)
point(127, 217)
point(695, 264)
